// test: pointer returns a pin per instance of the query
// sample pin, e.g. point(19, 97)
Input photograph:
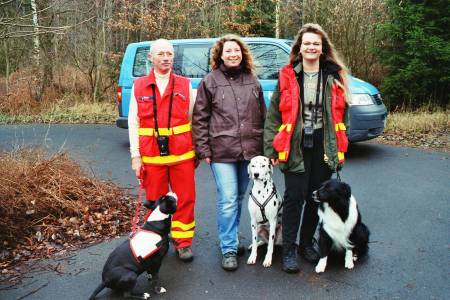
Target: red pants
point(182, 183)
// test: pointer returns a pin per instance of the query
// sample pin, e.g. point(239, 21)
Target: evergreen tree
point(415, 48)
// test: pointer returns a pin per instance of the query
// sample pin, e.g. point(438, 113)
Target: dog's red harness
point(144, 243)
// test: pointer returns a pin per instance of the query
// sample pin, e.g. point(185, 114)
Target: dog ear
point(346, 190)
point(168, 204)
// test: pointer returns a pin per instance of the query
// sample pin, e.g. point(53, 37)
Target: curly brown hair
point(329, 52)
point(247, 63)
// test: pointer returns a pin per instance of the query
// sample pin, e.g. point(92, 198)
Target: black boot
point(290, 264)
point(309, 253)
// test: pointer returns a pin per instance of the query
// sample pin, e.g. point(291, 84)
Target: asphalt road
point(403, 196)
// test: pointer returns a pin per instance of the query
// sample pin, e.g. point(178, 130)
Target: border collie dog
point(340, 224)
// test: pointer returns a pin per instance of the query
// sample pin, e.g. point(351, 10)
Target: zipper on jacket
point(255, 93)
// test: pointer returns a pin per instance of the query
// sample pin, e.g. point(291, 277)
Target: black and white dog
point(341, 228)
point(143, 251)
point(264, 206)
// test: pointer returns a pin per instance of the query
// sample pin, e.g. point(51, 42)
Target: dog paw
point(349, 264)
point(160, 290)
point(251, 260)
point(146, 296)
point(267, 262)
point(320, 267)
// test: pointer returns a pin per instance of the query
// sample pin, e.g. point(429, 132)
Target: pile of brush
point(48, 204)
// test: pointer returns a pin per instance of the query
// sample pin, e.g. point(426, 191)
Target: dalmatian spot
point(265, 183)
point(274, 203)
point(259, 191)
point(273, 237)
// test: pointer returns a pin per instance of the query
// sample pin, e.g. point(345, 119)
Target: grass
point(71, 110)
point(75, 109)
point(419, 121)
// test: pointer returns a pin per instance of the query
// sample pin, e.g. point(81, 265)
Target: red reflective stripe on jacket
point(179, 144)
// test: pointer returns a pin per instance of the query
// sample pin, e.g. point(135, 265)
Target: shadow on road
point(363, 151)
point(125, 145)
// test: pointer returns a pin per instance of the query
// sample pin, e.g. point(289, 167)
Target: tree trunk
point(36, 45)
point(277, 19)
point(5, 44)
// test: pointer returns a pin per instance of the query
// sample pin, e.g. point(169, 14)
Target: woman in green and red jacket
point(305, 134)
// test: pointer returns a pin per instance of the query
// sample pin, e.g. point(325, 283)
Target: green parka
point(273, 123)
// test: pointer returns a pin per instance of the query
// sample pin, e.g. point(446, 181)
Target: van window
point(268, 60)
point(192, 61)
point(142, 65)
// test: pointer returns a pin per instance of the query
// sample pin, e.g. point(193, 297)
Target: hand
point(196, 162)
point(207, 160)
point(274, 161)
point(136, 165)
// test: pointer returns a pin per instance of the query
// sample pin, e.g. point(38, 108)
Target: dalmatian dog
point(264, 205)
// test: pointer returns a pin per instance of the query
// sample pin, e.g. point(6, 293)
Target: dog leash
point(138, 204)
point(338, 174)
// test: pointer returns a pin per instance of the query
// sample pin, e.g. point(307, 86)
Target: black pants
point(299, 188)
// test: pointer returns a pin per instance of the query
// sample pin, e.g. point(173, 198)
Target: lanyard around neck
point(155, 114)
point(302, 93)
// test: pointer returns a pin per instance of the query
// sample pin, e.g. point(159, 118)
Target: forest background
point(61, 51)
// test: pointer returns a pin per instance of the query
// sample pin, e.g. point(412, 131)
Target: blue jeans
point(231, 182)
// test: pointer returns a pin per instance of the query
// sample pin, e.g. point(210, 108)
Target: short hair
point(247, 59)
point(158, 43)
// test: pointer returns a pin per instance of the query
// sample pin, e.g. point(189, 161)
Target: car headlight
point(361, 99)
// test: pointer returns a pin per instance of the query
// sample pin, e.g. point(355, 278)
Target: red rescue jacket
point(289, 107)
point(180, 136)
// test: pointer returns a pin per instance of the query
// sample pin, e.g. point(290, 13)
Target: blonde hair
point(329, 52)
point(247, 63)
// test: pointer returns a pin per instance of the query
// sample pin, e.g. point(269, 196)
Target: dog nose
point(256, 175)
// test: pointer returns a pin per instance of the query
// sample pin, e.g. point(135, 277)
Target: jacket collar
point(328, 68)
point(151, 78)
point(231, 72)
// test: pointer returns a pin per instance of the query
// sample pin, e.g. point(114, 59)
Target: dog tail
point(97, 290)
point(360, 239)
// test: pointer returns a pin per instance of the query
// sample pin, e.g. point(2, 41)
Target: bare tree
point(36, 47)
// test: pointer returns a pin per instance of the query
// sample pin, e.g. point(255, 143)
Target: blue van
point(367, 110)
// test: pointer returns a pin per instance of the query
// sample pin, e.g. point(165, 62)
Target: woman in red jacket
point(305, 133)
